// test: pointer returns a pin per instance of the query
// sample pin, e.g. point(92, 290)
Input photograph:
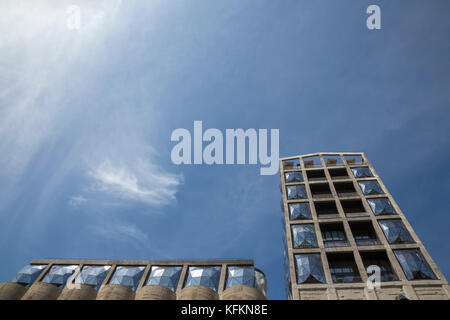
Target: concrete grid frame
point(39, 290)
point(401, 288)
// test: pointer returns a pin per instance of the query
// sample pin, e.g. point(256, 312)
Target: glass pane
point(296, 192)
point(395, 231)
point(59, 274)
point(127, 276)
point(370, 187)
point(240, 276)
point(381, 206)
point(203, 276)
point(93, 275)
point(362, 172)
point(293, 176)
point(299, 210)
point(414, 264)
point(309, 268)
point(303, 236)
point(165, 276)
point(28, 274)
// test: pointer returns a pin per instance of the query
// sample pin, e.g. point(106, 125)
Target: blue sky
point(86, 117)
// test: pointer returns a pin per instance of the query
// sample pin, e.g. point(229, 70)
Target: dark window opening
point(381, 260)
point(321, 190)
point(338, 173)
point(333, 235)
point(364, 233)
point(314, 175)
point(353, 208)
point(343, 268)
point(345, 189)
point(326, 209)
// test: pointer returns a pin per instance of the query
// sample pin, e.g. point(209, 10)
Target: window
point(291, 164)
point(332, 160)
point(380, 259)
point(326, 209)
point(381, 206)
point(364, 233)
point(59, 274)
point(93, 275)
point(309, 268)
point(164, 276)
point(370, 187)
point(293, 176)
point(340, 173)
point(395, 231)
point(315, 175)
point(345, 189)
point(299, 210)
point(240, 275)
point(203, 276)
point(333, 235)
point(414, 264)
point(303, 236)
point(320, 190)
point(343, 268)
point(28, 274)
point(353, 208)
point(127, 276)
point(354, 159)
point(296, 192)
point(362, 172)
point(312, 162)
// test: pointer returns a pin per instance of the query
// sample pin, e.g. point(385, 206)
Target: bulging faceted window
point(293, 176)
point(303, 236)
point(93, 275)
point(299, 210)
point(59, 274)
point(240, 275)
point(165, 276)
point(362, 172)
point(309, 268)
point(381, 206)
point(203, 276)
point(395, 231)
point(28, 274)
point(414, 264)
point(296, 192)
point(127, 276)
point(370, 187)
point(260, 282)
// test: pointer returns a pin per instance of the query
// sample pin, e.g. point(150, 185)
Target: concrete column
point(115, 292)
point(242, 292)
point(155, 292)
point(42, 291)
point(197, 293)
point(85, 292)
point(11, 291)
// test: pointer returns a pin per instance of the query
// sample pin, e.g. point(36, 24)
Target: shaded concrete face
point(344, 175)
point(42, 291)
point(242, 293)
point(155, 292)
point(84, 292)
point(197, 293)
point(115, 292)
point(11, 291)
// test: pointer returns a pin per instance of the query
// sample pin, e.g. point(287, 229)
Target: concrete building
point(45, 279)
point(339, 219)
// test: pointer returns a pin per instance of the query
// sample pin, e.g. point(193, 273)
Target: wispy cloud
point(119, 232)
point(142, 182)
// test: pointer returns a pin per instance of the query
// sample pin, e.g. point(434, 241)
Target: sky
point(86, 117)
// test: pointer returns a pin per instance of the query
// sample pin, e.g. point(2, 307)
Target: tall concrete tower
point(339, 219)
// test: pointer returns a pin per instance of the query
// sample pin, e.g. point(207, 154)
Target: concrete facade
point(328, 178)
point(39, 290)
